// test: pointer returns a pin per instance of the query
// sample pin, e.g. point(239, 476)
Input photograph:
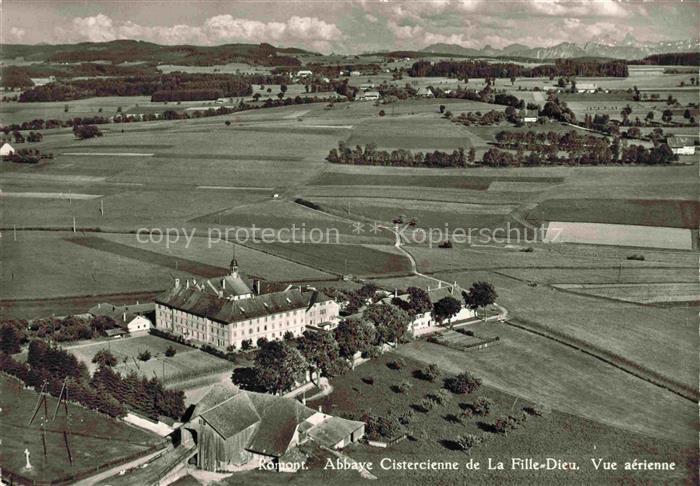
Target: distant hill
point(119, 51)
point(629, 48)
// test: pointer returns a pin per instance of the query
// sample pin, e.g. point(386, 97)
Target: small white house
point(304, 74)
point(128, 318)
point(529, 116)
point(586, 87)
point(682, 145)
point(136, 324)
point(368, 96)
point(6, 150)
point(425, 92)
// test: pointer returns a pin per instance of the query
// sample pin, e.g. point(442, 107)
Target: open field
point(660, 343)
point(619, 235)
point(676, 213)
point(540, 370)
point(610, 275)
point(189, 365)
point(652, 293)
point(341, 259)
point(95, 440)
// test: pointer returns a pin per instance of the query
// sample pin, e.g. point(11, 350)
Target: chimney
point(320, 408)
point(439, 284)
point(223, 283)
point(177, 283)
point(256, 286)
point(124, 317)
point(396, 292)
point(188, 283)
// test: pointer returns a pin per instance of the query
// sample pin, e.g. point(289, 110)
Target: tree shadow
point(486, 427)
point(450, 445)
point(419, 408)
point(453, 418)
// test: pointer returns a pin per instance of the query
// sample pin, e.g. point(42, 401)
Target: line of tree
point(483, 69)
point(39, 124)
point(106, 391)
point(369, 155)
point(15, 333)
point(74, 89)
point(21, 76)
point(27, 156)
point(671, 59)
point(584, 149)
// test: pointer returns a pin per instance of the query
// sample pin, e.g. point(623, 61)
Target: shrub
point(246, 344)
point(440, 397)
point(104, 358)
point(538, 410)
point(636, 257)
point(430, 372)
point(368, 380)
point(406, 417)
point(381, 113)
point(467, 442)
point(380, 427)
point(482, 406)
point(404, 387)
point(463, 383)
point(82, 132)
point(144, 355)
point(170, 352)
point(396, 364)
point(426, 405)
point(288, 335)
point(508, 423)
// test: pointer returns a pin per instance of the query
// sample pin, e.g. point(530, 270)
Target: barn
point(237, 430)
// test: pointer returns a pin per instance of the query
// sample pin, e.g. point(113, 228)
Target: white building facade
point(225, 312)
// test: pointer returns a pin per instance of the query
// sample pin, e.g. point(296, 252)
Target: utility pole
point(102, 207)
point(74, 224)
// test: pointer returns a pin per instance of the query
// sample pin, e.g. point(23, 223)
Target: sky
point(348, 26)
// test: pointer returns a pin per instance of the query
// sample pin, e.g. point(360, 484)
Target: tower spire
point(233, 267)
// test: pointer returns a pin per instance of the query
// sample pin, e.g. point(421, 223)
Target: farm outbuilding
point(237, 430)
point(130, 318)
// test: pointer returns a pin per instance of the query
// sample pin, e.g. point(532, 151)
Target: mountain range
point(629, 48)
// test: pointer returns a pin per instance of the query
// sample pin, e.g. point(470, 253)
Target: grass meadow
point(94, 439)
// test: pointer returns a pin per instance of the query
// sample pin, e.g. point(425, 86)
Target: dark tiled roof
point(220, 309)
point(333, 430)
point(232, 416)
point(278, 422)
point(230, 411)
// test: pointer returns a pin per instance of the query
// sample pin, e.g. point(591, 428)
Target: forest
point(483, 69)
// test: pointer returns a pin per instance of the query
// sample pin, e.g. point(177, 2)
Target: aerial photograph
point(349, 242)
